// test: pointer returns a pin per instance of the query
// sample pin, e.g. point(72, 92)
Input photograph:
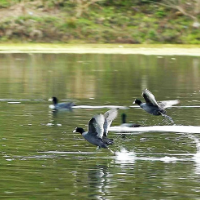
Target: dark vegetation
point(100, 21)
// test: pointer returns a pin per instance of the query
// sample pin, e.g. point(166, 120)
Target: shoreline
point(190, 50)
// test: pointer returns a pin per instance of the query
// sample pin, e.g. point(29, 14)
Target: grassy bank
point(98, 22)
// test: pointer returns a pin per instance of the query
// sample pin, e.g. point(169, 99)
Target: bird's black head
point(78, 130)
point(137, 101)
point(55, 100)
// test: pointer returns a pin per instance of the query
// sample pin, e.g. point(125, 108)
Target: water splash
point(123, 156)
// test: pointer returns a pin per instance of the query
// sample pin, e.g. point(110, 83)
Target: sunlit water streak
point(13, 102)
point(174, 129)
point(123, 156)
point(99, 107)
point(171, 106)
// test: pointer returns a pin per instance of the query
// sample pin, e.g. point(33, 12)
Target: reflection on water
point(42, 158)
point(98, 181)
point(40, 75)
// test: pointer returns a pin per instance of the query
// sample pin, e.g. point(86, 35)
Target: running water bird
point(152, 106)
point(124, 124)
point(98, 129)
point(61, 106)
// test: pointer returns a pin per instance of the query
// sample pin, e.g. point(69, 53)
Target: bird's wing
point(110, 115)
point(95, 126)
point(167, 104)
point(149, 97)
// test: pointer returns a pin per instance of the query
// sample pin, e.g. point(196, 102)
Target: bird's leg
point(168, 117)
point(111, 151)
point(98, 147)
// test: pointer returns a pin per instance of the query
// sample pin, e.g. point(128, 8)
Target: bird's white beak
point(50, 99)
point(74, 131)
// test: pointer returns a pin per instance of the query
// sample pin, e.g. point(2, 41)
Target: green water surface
point(42, 159)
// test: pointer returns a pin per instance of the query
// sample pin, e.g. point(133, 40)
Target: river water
point(41, 157)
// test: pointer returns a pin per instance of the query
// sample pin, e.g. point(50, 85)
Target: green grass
point(117, 22)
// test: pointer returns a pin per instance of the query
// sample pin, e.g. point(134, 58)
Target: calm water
point(42, 159)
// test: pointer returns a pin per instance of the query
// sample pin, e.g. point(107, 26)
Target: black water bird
point(124, 124)
point(98, 129)
point(152, 106)
point(61, 106)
